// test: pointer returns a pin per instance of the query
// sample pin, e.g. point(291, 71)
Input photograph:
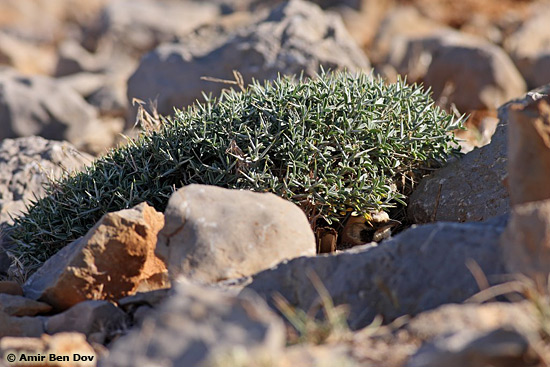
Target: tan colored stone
point(113, 260)
point(10, 287)
point(213, 234)
point(21, 306)
point(26, 57)
point(529, 151)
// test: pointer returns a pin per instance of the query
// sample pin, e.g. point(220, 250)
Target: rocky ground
point(145, 288)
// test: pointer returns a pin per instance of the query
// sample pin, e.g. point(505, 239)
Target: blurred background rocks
point(91, 59)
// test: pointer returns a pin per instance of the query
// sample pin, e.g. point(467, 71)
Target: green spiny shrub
point(331, 144)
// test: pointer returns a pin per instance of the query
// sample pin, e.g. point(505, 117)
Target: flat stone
point(417, 270)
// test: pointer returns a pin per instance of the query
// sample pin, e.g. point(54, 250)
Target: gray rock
point(529, 47)
point(471, 188)
point(398, 27)
point(74, 59)
point(468, 189)
point(84, 83)
point(473, 75)
point(140, 305)
point(417, 270)
point(296, 36)
point(501, 347)
point(20, 326)
point(39, 105)
point(474, 317)
point(461, 69)
point(138, 26)
point(195, 324)
point(27, 164)
point(89, 317)
point(213, 234)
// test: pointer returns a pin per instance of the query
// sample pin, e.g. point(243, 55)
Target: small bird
point(359, 230)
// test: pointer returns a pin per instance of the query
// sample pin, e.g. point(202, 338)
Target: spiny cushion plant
point(331, 144)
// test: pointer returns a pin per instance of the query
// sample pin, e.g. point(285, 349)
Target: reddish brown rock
point(113, 260)
point(21, 306)
point(10, 287)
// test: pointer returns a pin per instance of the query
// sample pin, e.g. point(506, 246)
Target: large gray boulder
point(27, 164)
point(398, 27)
point(214, 234)
point(529, 47)
point(138, 26)
point(465, 70)
point(419, 269)
point(294, 37)
point(196, 324)
point(471, 188)
point(39, 105)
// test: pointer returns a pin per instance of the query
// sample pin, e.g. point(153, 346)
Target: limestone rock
point(21, 306)
point(461, 69)
point(134, 25)
point(84, 83)
point(468, 189)
point(479, 318)
point(89, 317)
point(529, 150)
point(296, 36)
point(114, 259)
point(20, 326)
point(24, 56)
point(194, 324)
point(140, 305)
point(472, 188)
point(474, 75)
point(501, 347)
point(526, 241)
point(417, 270)
point(529, 47)
point(27, 164)
point(391, 346)
point(39, 105)
point(213, 234)
point(74, 59)
point(398, 26)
